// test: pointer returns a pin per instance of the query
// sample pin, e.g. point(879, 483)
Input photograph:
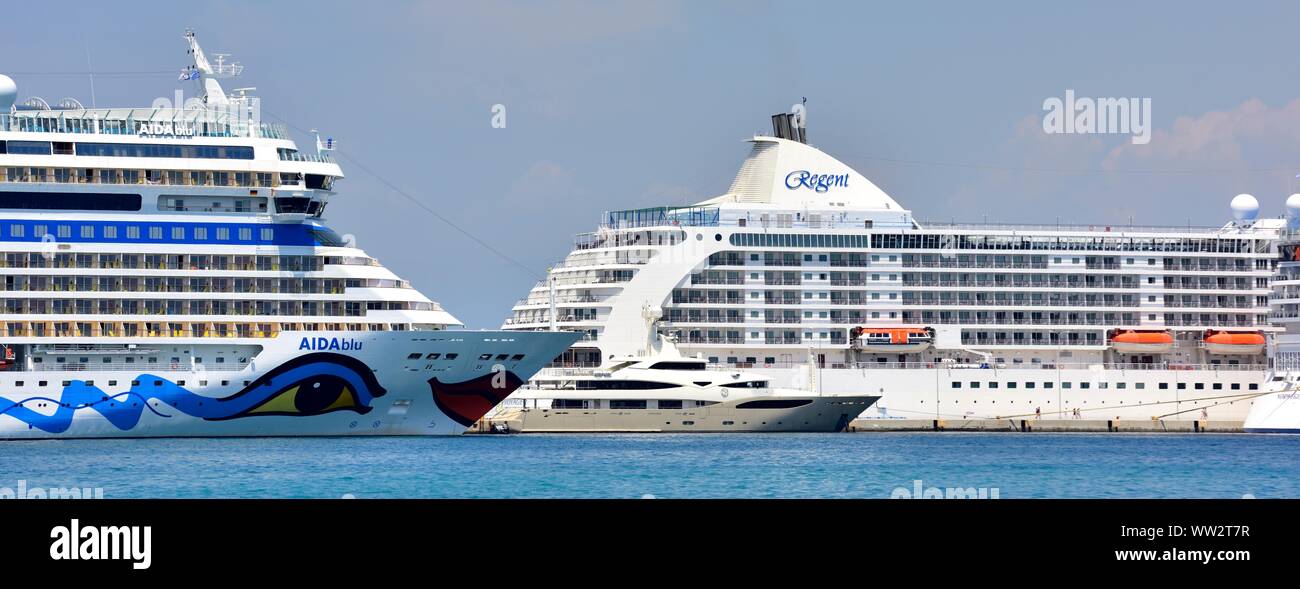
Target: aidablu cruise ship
point(804, 260)
point(167, 272)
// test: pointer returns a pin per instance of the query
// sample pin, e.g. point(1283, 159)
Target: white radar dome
point(1244, 207)
point(1293, 206)
point(8, 93)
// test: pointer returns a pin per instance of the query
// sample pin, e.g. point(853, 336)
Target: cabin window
point(774, 404)
point(677, 366)
point(588, 385)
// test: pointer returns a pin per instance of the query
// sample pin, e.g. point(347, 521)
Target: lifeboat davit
point(1230, 342)
point(893, 340)
point(1142, 342)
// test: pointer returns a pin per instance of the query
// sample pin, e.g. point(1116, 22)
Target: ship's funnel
point(781, 125)
point(789, 126)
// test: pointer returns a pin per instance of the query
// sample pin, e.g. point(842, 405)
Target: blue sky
point(618, 105)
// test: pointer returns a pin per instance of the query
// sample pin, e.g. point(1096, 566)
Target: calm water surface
point(667, 466)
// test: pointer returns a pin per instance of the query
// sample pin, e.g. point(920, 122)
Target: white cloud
point(1217, 140)
point(1187, 173)
point(543, 186)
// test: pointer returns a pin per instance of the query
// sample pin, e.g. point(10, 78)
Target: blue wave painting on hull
point(313, 384)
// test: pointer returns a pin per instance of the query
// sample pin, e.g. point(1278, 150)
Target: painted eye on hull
point(314, 384)
point(314, 396)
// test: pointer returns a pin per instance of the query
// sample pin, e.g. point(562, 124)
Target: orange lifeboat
point(1229, 342)
point(1142, 342)
point(893, 340)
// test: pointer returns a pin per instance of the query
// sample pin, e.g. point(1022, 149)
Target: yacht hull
point(804, 414)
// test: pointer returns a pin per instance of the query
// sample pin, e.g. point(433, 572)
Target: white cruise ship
point(1277, 410)
point(166, 272)
point(804, 259)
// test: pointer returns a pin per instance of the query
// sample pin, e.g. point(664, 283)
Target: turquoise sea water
point(667, 466)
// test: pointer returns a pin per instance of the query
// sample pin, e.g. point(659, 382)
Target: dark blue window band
point(26, 230)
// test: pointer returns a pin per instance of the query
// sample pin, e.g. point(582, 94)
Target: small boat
point(894, 340)
point(1142, 342)
point(1230, 342)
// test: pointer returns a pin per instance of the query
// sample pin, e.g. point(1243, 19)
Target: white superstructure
point(166, 271)
point(1277, 409)
point(804, 257)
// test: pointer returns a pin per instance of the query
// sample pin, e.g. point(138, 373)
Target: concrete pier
point(1045, 425)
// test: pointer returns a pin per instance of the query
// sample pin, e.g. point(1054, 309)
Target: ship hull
point(813, 414)
point(300, 384)
point(1276, 412)
point(929, 393)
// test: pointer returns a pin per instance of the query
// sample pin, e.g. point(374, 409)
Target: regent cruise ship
point(165, 271)
point(804, 262)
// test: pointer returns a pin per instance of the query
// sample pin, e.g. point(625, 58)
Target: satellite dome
point(8, 92)
point(1293, 206)
point(1293, 211)
point(1244, 208)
